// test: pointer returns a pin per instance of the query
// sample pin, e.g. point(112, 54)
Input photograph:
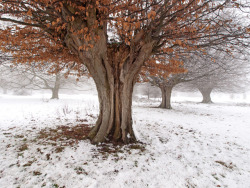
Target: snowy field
point(193, 145)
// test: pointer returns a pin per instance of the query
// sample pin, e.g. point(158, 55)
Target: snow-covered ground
point(193, 145)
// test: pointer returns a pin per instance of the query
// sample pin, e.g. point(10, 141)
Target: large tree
point(113, 38)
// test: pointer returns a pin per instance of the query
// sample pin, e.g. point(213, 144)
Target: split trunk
point(115, 76)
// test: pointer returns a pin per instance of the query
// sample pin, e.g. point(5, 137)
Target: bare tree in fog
point(149, 90)
point(230, 76)
point(3, 79)
point(29, 77)
point(3, 84)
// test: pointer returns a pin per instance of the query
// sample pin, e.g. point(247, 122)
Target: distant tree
point(195, 67)
point(149, 90)
point(32, 78)
point(42, 80)
point(54, 82)
point(3, 84)
point(165, 80)
point(230, 76)
point(203, 71)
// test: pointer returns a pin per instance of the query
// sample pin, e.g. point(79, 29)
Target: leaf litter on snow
point(183, 147)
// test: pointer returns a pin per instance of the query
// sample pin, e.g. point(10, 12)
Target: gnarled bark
point(166, 97)
point(115, 118)
point(115, 81)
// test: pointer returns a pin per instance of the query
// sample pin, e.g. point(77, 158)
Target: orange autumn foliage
point(114, 39)
point(44, 27)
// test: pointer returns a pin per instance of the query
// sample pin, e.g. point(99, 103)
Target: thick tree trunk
point(115, 118)
point(115, 79)
point(55, 89)
point(166, 97)
point(115, 100)
point(206, 94)
point(114, 68)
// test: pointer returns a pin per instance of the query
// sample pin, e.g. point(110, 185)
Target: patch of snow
point(193, 145)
